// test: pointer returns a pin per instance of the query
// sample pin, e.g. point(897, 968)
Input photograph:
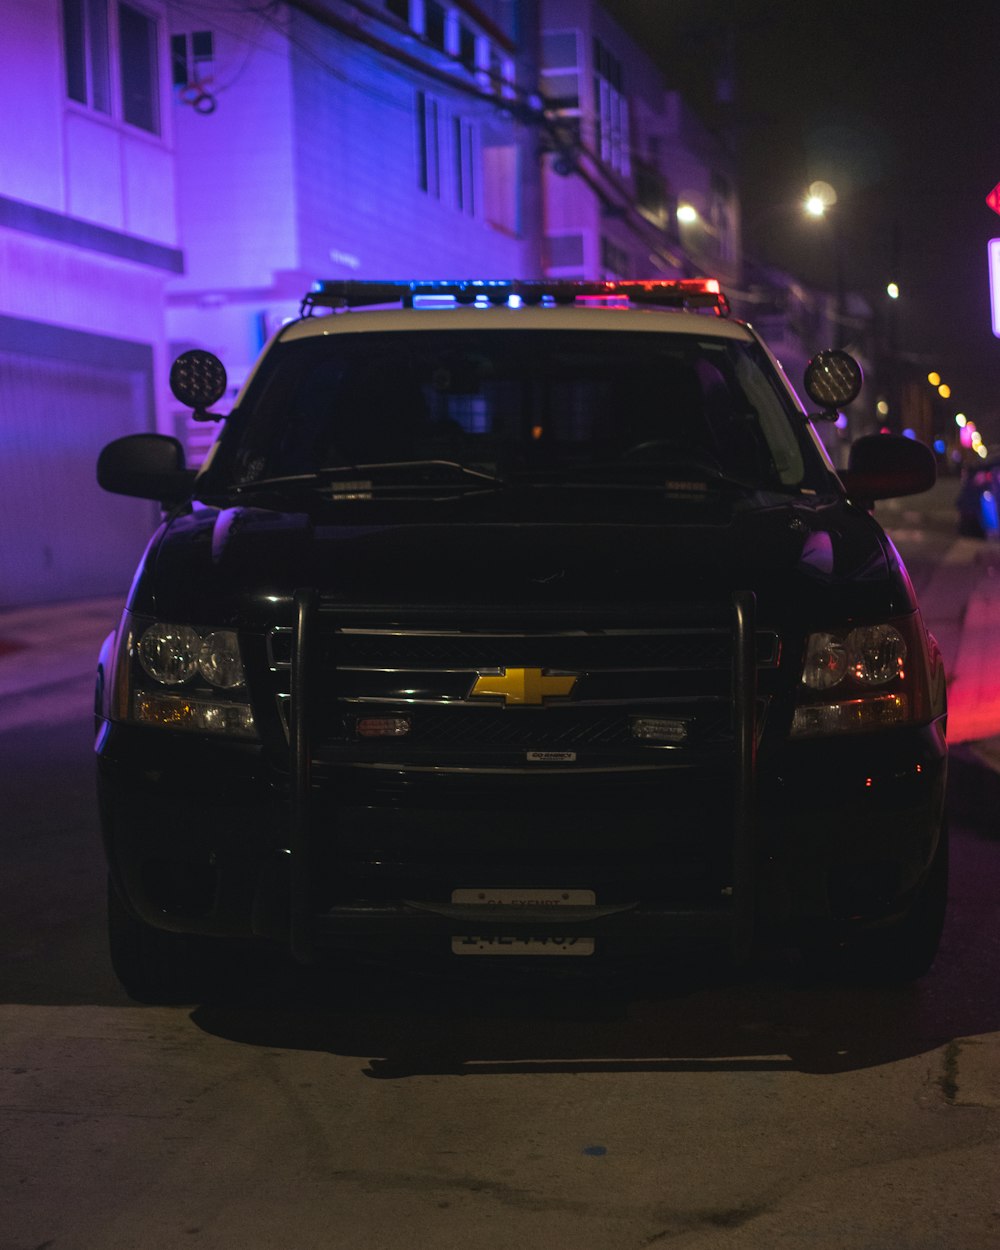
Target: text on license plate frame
point(540, 944)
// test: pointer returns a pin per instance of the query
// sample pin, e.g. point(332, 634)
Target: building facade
point(325, 140)
point(88, 242)
point(625, 162)
point(181, 173)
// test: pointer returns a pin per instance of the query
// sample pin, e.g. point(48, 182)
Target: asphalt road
point(366, 1112)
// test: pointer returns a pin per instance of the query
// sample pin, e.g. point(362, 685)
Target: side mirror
point(886, 466)
point(148, 466)
point(833, 380)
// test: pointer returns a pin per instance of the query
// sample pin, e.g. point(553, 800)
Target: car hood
point(239, 565)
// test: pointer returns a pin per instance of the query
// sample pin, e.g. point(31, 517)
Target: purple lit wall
point(88, 238)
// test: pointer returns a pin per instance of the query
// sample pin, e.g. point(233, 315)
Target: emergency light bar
point(685, 293)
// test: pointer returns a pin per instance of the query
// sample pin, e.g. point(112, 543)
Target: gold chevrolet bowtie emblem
point(523, 685)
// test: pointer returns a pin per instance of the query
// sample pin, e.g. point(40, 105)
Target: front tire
point(905, 950)
point(155, 966)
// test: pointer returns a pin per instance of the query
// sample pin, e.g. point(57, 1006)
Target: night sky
point(898, 107)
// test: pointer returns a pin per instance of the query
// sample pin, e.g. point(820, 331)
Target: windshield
point(513, 405)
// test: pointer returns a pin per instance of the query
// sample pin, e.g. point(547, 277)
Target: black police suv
point(519, 623)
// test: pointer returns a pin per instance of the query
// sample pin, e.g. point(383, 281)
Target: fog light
point(850, 716)
point(382, 726)
point(658, 729)
point(174, 711)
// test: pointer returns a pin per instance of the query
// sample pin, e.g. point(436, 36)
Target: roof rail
point(683, 293)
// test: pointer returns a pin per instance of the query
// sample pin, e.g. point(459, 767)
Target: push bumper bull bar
point(307, 930)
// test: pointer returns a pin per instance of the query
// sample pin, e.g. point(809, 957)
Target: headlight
point(219, 659)
point(169, 653)
point(202, 670)
point(872, 655)
point(876, 654)
point(825, 663)
point(858, 680)
point(173, 654)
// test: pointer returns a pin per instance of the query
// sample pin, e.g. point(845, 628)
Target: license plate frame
point(540, 944)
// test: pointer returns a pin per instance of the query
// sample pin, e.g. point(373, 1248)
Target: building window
point(651, 194)
point(614, 259)
point(85, 36)
point(428, 144)
point(443, 27)
point(564, 251)
point(494, 73)
point(501, 187)
point(467, 46)
point(89, 41)
point(137, 59)
point(722, 217)
point(560, 70)
point(465, 156)
point(434, 23)
point(611, 109)
point(191, 58)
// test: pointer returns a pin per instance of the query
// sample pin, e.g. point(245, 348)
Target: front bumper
point(201, 837)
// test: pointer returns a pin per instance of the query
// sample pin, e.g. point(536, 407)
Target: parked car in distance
point(978, 500)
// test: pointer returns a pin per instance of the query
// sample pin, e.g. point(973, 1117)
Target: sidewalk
point(46, 645)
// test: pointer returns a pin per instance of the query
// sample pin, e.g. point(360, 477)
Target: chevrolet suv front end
point(519, 620)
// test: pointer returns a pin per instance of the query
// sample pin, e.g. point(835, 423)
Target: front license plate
point(472, 945)
point(552, 944)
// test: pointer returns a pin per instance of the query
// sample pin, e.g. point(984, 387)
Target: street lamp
point(820, 198)
point(814, 206)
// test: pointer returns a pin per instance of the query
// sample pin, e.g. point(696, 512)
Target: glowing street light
point(944, 390)
point(892, 290)
point(814, 206)
point(819, 198)
point(687, 214)
point(934, 379)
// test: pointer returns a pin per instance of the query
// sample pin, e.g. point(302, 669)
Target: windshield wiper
point(359, 476)
point(675, 472)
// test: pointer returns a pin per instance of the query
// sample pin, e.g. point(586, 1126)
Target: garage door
point(62, 536)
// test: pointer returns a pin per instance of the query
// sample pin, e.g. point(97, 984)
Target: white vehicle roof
point(575, 317)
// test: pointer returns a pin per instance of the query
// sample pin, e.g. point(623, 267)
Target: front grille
point(535, 784)
point(680, 673)
point(617, 648)
point(552, 729)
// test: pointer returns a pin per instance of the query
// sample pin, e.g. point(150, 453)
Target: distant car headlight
point(858, 680)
